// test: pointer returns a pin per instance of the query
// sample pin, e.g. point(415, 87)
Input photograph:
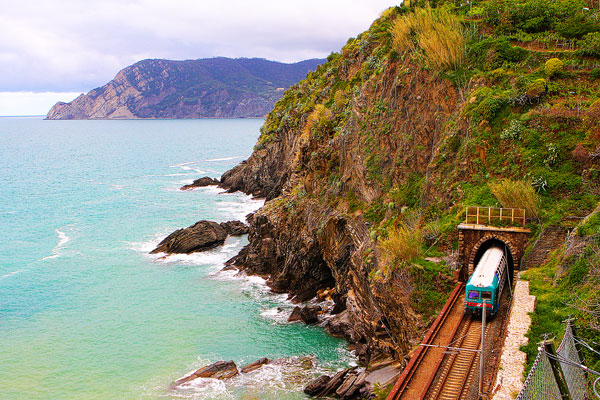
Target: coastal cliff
point(205, 88)
point(368, 163)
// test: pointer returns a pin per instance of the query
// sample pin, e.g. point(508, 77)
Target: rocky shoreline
point(330, 312)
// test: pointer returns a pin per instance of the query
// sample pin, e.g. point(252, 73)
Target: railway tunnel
point(432, 372)
point(474, 240)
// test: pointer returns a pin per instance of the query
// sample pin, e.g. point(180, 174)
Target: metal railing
point(493, 215)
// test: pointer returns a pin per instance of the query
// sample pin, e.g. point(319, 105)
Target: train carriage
point(487, 282)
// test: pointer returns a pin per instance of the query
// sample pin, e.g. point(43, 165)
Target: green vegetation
point(553, 67)
point(516, 194)
point(441, 105)
point(436, 32)
point(567, 286)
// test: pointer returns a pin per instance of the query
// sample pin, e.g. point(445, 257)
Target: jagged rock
point(304, 295)
point(218, 370)
point(201, 236)
point(384, 376)
point(348, 382)
point(355, 387)
point(201, 182)
point(307, 236)
point(254, 365)
point(235, 228)
point(295, 315)
point(339, 325)
point(310, 314)
point(317, 385)
point(334, 383)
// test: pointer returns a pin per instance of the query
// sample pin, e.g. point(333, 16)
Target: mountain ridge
point(218, 87)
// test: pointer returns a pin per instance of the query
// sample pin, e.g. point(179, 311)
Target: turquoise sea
point(87, 313)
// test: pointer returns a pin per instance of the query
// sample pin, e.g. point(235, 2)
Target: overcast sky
point(72, 46)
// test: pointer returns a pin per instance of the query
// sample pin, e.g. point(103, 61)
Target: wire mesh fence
point(541, 382)
point(575, 376)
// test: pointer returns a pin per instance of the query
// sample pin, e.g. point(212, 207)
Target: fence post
point(559, 376)
point(579, 352)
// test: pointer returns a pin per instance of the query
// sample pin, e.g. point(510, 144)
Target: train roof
point(483, 276)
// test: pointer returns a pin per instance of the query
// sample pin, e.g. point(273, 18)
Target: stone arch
point(486, 242)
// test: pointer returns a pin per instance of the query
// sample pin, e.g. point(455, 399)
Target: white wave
point(182, 174)
point(10, 274)
point(222, 159)
point(207, 388)
point(63, 239)
point(277, 314)
point(239, 209)
point(211, 189)
point(189, 166)
point(185, 163)
point(278, 378)
point(215, 257)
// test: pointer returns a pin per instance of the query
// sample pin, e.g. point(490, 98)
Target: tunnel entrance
point(474, 240)
point(478, 253)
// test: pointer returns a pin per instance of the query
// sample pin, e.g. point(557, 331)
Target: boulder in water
point(201, 182)
point(203, 235)
point(219, 370)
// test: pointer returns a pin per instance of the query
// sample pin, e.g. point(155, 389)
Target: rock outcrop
point(235, 228)
point(201, 182)
point(324, 157)
point(253, 366)
point(218, 370)
point(204, 88)
point(203, 235)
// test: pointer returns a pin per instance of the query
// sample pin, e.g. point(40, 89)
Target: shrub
point(437, 32)
point(513, 131)
point(540, 184)
point(590, 45)
point(590, 226)
point(553, 155)
point(516, 194)
point(490, 107)
point(553, 66)
point(595, 73)
point(580, 154)
point(402, 244)
point(576, 26)
point(536, 89)
point(492, 53)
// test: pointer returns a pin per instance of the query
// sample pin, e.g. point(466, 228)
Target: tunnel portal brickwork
point(472, 237)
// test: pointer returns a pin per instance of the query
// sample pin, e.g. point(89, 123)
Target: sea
point(87, 313)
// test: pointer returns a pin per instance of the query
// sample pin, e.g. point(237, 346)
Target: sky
point(54, 50)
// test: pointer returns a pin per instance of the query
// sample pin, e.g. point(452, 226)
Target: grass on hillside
point(558, 297)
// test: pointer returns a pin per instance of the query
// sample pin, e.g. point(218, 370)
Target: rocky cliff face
point(376, 154)
point(205, 88)
point(329, 144)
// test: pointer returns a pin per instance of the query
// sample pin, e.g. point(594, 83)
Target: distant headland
point(204, 88)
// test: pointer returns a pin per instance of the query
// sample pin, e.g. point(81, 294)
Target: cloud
point(29, 103)
point(76, 45)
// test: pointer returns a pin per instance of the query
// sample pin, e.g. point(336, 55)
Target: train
point(487, 282)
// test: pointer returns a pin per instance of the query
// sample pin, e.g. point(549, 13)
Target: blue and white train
point(487, 282)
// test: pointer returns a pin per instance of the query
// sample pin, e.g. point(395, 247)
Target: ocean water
point(87, 313)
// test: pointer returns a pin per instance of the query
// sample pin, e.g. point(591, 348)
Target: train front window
point(486, 295)
point(473, 295)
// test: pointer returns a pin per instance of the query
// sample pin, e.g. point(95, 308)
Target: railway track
point(458, 367)
point(427, 360)
point(435, 372)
